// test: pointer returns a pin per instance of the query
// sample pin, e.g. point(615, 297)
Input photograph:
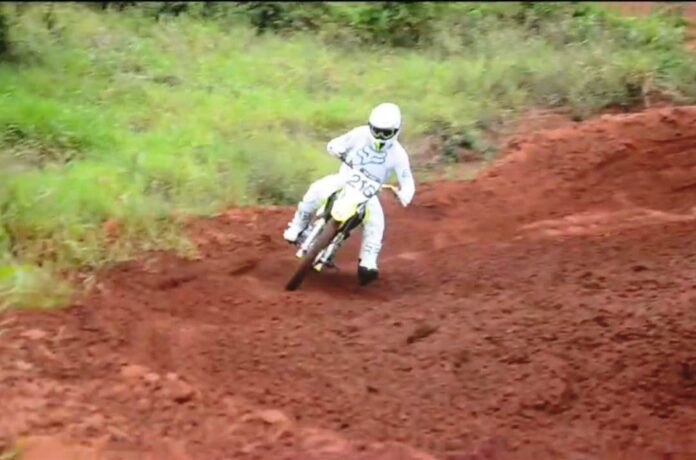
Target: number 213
point(364, 186)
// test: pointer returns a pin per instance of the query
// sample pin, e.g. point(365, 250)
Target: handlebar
point(393, 188)
point(345, 161)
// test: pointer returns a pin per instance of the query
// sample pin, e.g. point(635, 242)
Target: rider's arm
point(339, 146)
point(407, 186)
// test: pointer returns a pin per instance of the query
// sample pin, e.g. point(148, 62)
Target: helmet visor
point(383, 133)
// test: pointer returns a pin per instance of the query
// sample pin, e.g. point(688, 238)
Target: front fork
point(311, 235)
point(327, 254)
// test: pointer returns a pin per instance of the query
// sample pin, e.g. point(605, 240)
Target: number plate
point(359, 181)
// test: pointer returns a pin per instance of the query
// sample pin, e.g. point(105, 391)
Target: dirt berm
point(546, 309)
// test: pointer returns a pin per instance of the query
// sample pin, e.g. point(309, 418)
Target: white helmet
point(385, 123)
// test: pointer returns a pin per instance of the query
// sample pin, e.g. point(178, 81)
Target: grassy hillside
point(113, 124)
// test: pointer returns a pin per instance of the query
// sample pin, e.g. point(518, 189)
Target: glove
point(402, 199)
point(336, 151)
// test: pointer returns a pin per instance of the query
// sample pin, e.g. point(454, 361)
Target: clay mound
point(612, 158)
point(543, 310)
point(610, 164)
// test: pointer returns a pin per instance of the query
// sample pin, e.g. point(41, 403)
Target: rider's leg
point(311, 201)
point(373, 232)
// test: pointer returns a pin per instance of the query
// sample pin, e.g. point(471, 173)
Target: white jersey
point(379, 164)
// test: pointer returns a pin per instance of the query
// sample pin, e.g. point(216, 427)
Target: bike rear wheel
point(327, 234)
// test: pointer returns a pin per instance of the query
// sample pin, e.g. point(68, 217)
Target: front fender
point(342, 210)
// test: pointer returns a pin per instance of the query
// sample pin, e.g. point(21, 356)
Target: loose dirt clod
point(420, 333)
point(134, 371)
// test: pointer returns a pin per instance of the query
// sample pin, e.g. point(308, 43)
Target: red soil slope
point(545, 310)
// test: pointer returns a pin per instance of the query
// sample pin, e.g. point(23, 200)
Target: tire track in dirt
point(543, 310)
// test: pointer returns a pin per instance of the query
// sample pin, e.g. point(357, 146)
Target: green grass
point(112, 117)
point(23, 284)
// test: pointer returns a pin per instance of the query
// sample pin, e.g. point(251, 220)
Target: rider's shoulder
point(399, 149)
point(363, 130)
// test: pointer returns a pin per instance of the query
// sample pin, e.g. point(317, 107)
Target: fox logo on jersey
point(368, 155)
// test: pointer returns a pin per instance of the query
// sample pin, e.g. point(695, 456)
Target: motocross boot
point(367, 263)
point(367, 275)
point(297, 225)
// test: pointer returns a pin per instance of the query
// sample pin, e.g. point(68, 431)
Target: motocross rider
point(375, 149)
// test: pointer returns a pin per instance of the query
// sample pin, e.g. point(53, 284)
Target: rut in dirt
point(545, 308)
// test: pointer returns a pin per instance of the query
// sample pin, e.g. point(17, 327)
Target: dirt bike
point(341, 213)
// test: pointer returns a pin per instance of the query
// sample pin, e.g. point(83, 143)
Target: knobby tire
point(327, 234)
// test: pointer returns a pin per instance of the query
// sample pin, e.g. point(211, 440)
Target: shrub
point(4, 35)
point(394, 24)
point(283, 17)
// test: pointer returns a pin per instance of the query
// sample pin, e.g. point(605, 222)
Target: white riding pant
point(373, 226)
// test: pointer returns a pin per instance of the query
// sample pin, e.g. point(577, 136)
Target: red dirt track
point(546, 309)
